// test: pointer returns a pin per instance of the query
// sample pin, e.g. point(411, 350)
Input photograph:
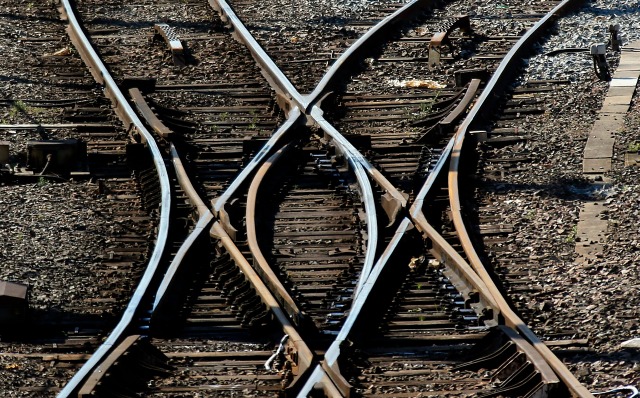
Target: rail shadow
point(57, 326)
point(23, 80)
point(600, 362)
point(560, 186)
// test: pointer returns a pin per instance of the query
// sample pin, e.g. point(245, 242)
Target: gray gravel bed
point(598, 301)
point(55, 236)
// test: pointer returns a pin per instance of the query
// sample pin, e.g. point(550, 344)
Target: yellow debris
point(414, 83)
point(62, 52)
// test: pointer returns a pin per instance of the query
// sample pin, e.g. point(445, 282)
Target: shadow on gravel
point(562, 187)
point(621, 10)
point(43, 80)
point(601, 363)
point(54, 326)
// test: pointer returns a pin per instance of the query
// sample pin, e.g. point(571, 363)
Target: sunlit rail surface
point(310, 238)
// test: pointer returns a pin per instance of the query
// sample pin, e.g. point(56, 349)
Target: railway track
point(94, 195)
point(316, 237)
point(358, 277)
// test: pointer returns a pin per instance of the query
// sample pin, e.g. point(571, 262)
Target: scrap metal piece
point(173, 42)
point(614, 37)
point(442, 37)
point(598, 51)
point(13, 302)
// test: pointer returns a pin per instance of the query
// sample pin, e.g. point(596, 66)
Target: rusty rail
point(304, 356)
point(285, 89)
point(448, 123)
point(330, 362)
point(361, 167)
point(203, 225)
point(260, 262)
point(128, 116)
point(497, 86)
point(298, 350)
point(293, 119)
point(290, 100)
point(150, 117)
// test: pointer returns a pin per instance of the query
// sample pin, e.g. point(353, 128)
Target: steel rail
point(203, 225)
point(396, 199)
point(127, 114)
point(322, 379)
point(316, 114)
point(303, 355)
point(185, 183)
point(330, 363)
point(355, 160)
point(270, 70)
point(282, 85)
point(293, 118)
point(150, 117)
point(271, 279)
point(496, 85)
point(466, 280)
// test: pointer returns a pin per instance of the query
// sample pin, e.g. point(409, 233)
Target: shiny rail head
point(131, 120)
point(287, 95)
point(300, 354)
point(496, 86)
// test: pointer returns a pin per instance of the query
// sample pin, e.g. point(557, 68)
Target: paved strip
point(599, 149)
point(598, 152)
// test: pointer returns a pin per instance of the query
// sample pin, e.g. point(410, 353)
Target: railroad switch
point(614, 37)
point(173, 42)
point(598, 52)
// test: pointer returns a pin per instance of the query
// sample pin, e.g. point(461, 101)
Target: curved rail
point(272, 280)
point(330, 362)
point(201, 226)
point(497, 83)
point(303, 355)
point(397, 199)
point(356, 161)
point(283, 86)
point(127, 114)
point(293, 118)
